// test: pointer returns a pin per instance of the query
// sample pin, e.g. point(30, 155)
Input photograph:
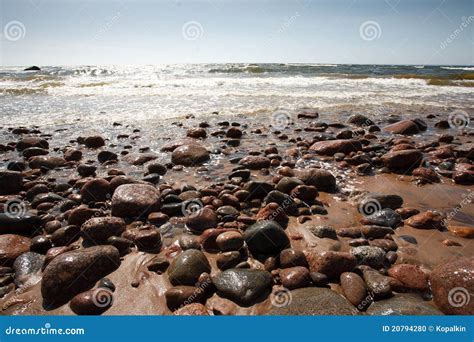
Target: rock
point(32, 68)
point(195, 309)
point(319, 279)
point(72, 155)
point(86, 170)
point(105, 156)
point(40, 244)
point(196, 133)
point(426, 174)
point(377, 284)
point(234, 133)
point(186, 268)
point(360, 120)
point(158, 264)
point(81, 214)
point(11, 182)
point(331, 147)
point(411, 276)
point(94, 141)
point(257, 189)
point(330, 263)
point(379, 201)
point(369, 255)
point(201, 220)
point(147, 238)
point(95, 190)
point(464, 232)
point(135, 200)
point(286, 203)
point(315, 301)
point(33, 152)
point(266, 238)
point(407, 212)
point(26, 224)
point(31, 142)
point(179, 296)
point(286, 184)
point(243, 286)
point(427, 220)
point(402, 160)
point(228, 260)
point(403, 304)
point(323, 232)
point(12, 246)
point(354, 289)
point(255, 162)
point(272, 211)
point(295, 277)
point(323, 180)
point(305, 192)
point(291, 257)
point(452, 285)
point(385, 217)
point(99, 229)
point(230, 241)
point(64, 236)
point(27, 269)
point(74, 272)
point(190, 155)
point(463, 174)
point(376, 232)
point(405, 127)
point(92, 302)
point(47, 162)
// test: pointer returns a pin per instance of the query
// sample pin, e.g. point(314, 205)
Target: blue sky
point(72, 32)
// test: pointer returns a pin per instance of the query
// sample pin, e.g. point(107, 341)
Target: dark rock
point(65, 235)
point(402, 160)
point(255, 162)
point(323, 180)
point(190, 155)
point(405, 127)
point(95, 190)
point(11, 182)
point(99, 229)
point(201, 220)
point(385, 217)
point(25, 225)
point(291, 258)
point(295, 277)
point(92, 302)
point(369, 255)
point(86, 170)
point(323, 232)
point(187, 267)
point(94, 141)
point(31, 142)
point(266, 238)
point(179, 296)
point(135, 200)
point(105, 156)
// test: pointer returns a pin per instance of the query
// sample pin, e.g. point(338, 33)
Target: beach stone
point(353, 287)
point(266, 238)
point(330, 263)
point(34, 151)
point(243, 286)
point(196, 133)
point(286, 203)
point(201, 220)
point(86, 170)
point(195, 309)
point(31, 142)
point(407, 212)
point(234, 132)
point(189, 155)
point(25, 225)
point(272, 211)
point(452, 285)
point(330, 147)
point(40, 244)
point(291, 258)
point(135, 200)
point(72, 154)
point(65, 235)
point(377, 284)
point(95, 190)
point(295, 277)
point(105, 156)
point(463, 174)
point(402, 160)
point(315, 301)
point(230, 241)
point(386, 217)
point(47, 162)
point(286, 184)
point(186, 268)
point(376, 232)
point(71, 273)
point(179, 296)
point(94, 141)
point(99, 229)
point(257, 189)
point(405, 127)
point(426, 174)
point(146, 237)
point(360, 120)
point(323, 180)
point(411, 276)
point(381, 201)
point(11, 182)
point(427, 220)
point(27, 269)
point(11, 247)
point(255, 162)
point(92, 302)
point(369, 255)
point(464, 232)
point(228, 260)
point(81, 214)
point(403, 304)
point(386, 244)
point(304, 192)
point(323, 232)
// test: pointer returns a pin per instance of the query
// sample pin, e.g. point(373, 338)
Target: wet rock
point(65, 235)
point(34, 151)
point(179, 296)
point(323, 180)
point(315, 301)
point(186, 268)
point(86, 170)
point(99, 229)
point(330, 263)
point(11, 182)
point(12, 246)
point(72, 155)
point(73, 272)
point(196, 133)
point(380, 201)
point(286, 202)
point(272, 211)
point(266, 238)
point(243, 286)
point(407, 212)
point(353, 287)
point(106, 156)
point(92, 302)
point(257, 189)
point(24, 225)
point(330, 147)
point(402, 160)
point(228, 260)
point(255, 162)
point(201, 220)
point(286, 184)
point(452, 285)
point(195, 309)
point(464, 232)
point(385, 217)
point(411, 276)
point(360, 120)
point(27, 269)
point(95, 190)
point(427, 220)
point(189, 155)
point(463, 174)
point(147, 238)
point(135, 200)
point(159, 265)
point(230, 241)
point(369, 255)
point(123, 245)
point(81, 214)
point(403, 304)
point(426, 174)
point(94, 141)
point(377, 284)
point(47, 162)
point(31, 142)
point(234, 132)
point(295, 277)
point(323, 232)
point(40, 244)
point(405, 127)
point(49, 197)
point(305, 192)
point(291, 257)
point(376, 232)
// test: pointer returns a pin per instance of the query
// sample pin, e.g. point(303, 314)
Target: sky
point(135, 32)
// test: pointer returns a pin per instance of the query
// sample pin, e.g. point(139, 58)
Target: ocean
point(63, 95)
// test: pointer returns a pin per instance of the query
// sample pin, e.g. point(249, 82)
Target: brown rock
point(179, 296)
point(464, 232)
point(92, 302)
point(330, 263)
point(464, 174)
point(94, 141)
point(295, 277)
point(255, 162)
point(411, 276)
point(48, 162)
point(201, 220)
point(354, 288)
point(99, 229)
point(189, 155)
point(427, 220)
point(405, 127)
point(230, 241)
point(402, 160)
point(135, 200)
point(12, 246)
point(426, 174)
point(195, 309)
point(31, 142)
point(95, 190)
point(331, 147)
point(11, 182)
